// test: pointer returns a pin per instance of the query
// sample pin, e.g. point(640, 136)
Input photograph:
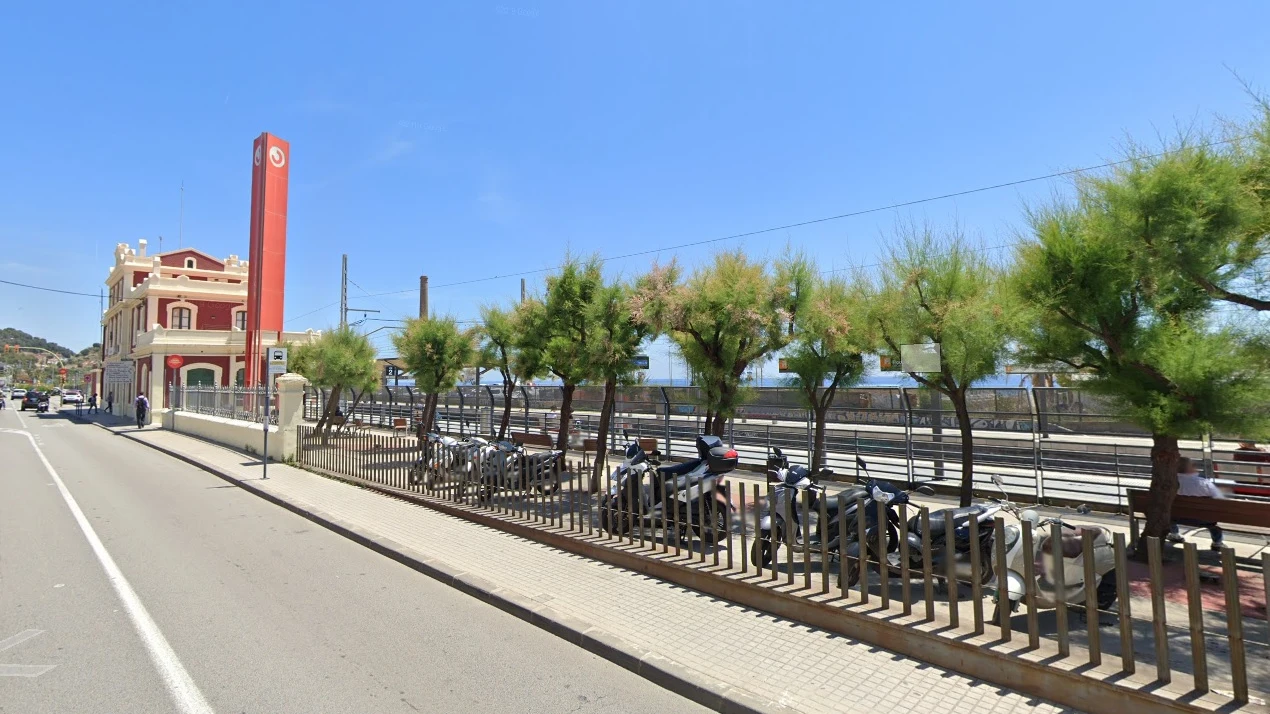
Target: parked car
point(72, 396)
point(32, 399)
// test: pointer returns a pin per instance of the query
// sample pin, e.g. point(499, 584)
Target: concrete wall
point(242, 435)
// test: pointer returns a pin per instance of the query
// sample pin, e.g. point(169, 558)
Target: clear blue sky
point(462, 140)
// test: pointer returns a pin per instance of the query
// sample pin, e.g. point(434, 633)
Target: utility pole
point(423, 297)
point(344, 308)
point(344, 291)
point(180, 235)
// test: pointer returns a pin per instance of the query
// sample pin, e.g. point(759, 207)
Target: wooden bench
point(400, 424)
point(1232, 511)
point(525, 439)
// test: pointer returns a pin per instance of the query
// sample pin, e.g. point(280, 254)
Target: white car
point(72, 396)
point(16, 395)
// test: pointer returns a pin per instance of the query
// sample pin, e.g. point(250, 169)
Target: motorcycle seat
point(850, 495)
point(679, 469)
point(961, 516)
point(1072, 544)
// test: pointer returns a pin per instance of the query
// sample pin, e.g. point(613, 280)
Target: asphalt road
point(243, 606)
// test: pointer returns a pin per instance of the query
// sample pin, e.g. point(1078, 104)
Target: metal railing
point(1051, 445)
point(1187, 618)
point(239, 403)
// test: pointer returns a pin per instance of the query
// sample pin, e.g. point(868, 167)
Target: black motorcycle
point(788, 483)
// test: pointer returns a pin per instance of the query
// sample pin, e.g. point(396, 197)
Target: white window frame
point(172, 308)
point(240, 311)
point(191, 263)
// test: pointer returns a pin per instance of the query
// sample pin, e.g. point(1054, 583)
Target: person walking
point(142, 405)
point(92, 403)
point(110, 403)
point(1191, 483)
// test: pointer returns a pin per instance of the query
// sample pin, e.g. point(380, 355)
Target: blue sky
point(464, 140)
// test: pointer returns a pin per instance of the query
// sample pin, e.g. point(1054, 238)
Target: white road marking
point(181, 686)
point(22, 670)
point(15, 640)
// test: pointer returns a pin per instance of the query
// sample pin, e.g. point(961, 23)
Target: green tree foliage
point(725, 316)
point(829, 336)
point(500, 337)
point(939, 289)
point(338, 359)
point(1145, 337)
point(14, 336)
point(435, 351)
point(558, 331)
point(616, 337)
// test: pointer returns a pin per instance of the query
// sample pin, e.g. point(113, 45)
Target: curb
point(666, 673)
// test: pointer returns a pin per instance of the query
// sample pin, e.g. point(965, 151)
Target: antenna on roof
point(180, 235)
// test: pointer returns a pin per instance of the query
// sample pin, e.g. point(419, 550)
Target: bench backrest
point(532, 439)
point(398, 422)
point(1218, 510)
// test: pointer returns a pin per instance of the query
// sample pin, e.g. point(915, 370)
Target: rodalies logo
point(277, 157)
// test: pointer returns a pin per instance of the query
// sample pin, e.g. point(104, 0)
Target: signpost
point(175, 361)
point(277, 365)
point(639, 361)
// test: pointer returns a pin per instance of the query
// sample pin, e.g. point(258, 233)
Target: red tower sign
point(266, 271)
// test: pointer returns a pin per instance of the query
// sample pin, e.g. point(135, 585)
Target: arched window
point(181, 318)
point(240, 378)
point(200, 377)
point(191, 263)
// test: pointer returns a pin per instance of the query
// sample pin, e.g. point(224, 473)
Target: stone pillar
point(290, 415)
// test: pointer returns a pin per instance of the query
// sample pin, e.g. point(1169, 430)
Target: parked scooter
point(696, 490)
point(888, 552)
point(506, 465)
point(789, 483)
point(1071, 547)
point(444, 455)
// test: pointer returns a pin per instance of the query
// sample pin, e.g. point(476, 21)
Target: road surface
point(222, 602)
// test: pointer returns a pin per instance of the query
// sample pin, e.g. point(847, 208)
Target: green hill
point(14, 336)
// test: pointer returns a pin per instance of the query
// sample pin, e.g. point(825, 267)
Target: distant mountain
point(14, 336)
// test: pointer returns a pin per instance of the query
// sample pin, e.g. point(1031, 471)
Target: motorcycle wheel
point(996, 612)
point(851, 571)
point(719, 533)
point(761, 552)
point(1107, 592)
point(416, 475)
point(613, 520)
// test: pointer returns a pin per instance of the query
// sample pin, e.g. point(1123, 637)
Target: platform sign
point(639, 361)
point(921, 358)
point(782, 366)
point(889, 363)
point(121, 371)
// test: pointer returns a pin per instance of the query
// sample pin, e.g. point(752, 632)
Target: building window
point(191, 263)
point(181, 318)
point(200, 377)
point(240, 320)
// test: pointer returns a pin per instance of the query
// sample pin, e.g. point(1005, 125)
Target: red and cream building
point(183, 302)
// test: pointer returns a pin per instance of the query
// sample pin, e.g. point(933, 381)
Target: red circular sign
point(62, 371)
point(175, 361)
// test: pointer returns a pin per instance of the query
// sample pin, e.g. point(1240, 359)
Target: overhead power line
point(49, 290)
point(826, 219)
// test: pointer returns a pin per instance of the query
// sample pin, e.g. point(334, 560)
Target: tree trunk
point(818, 442)
point(706, 428)
point(332, 404)
point(348, 418)
point(507, 411)
point(1164, 461)
point(429, 413)
point(566, 415)
point(602, 436)
point(958, 398)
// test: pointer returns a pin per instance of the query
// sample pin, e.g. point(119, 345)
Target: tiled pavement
point(752, 652)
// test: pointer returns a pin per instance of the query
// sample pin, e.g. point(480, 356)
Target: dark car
point(32, 400)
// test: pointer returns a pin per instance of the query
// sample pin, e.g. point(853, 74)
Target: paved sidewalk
point(743, 654)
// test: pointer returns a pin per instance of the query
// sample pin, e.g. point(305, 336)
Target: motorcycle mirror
point(777, 451)
point(1083, 509)
point(996, 479)
point(926, 490)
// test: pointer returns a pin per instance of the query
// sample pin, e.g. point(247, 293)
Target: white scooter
point(1071, 547)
